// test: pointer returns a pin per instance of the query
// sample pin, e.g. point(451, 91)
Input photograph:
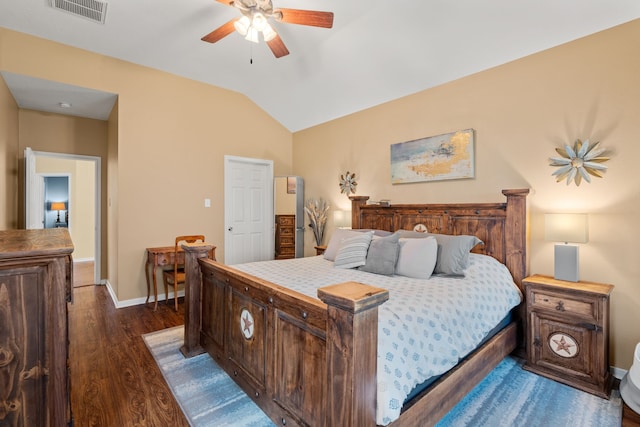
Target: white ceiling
point(377, 50)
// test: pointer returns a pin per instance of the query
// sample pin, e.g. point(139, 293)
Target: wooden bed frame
point(313, 361)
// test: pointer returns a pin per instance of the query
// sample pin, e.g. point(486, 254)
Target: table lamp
point(342, 219)
point(567, 228)
point(57, 206)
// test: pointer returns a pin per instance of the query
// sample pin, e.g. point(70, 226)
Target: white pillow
point(338, 235)
point(417, 257)
point(353, 251)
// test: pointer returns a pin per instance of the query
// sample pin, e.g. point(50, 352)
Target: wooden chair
point(176, 276)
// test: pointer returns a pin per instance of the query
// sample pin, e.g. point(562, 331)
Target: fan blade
point(277, 47)
point(220, 32)
point(313, 18)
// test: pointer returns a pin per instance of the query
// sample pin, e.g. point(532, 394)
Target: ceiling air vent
point(90, 9)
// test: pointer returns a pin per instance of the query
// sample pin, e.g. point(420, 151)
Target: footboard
point(303, 361)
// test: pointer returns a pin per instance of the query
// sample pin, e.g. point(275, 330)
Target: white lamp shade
point(566, 228)
point(242, 25)
point(342, 219)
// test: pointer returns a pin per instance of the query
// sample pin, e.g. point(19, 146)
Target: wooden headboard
point(501, 226)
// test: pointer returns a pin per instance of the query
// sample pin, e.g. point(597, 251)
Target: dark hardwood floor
point(114, 379)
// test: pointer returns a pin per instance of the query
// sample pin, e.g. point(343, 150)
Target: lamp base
point(566, 263)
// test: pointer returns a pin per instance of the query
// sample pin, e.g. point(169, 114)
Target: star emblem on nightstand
point(565, 345)
point(246, 323)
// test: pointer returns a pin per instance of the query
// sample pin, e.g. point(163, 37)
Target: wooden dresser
point(285, 236)
point(35, 286)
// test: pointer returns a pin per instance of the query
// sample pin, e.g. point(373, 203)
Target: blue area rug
point(206, 394)
point(511, 396)
point(508, 396)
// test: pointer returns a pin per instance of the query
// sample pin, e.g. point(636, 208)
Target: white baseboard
point(83, 259)
point(135, 301)
point(619, 373)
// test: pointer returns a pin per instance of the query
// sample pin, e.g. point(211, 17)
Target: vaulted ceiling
point(377, 50)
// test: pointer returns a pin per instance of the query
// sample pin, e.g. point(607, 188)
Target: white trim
point(136, 301)
point(83, 260)
point(619, 373)
point(97, 198)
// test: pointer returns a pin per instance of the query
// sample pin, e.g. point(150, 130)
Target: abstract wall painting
point(435, 158)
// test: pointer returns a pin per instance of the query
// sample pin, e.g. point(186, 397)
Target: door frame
point(30, 177)
point(268, 205)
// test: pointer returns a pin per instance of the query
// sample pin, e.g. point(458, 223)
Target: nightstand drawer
point(562, 303)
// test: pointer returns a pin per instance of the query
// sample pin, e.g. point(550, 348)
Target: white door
point(248, 210)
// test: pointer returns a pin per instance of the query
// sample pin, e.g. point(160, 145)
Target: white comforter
point(425, 328)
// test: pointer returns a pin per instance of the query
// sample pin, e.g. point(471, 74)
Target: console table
point(161, 257)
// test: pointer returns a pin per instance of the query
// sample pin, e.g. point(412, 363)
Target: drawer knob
point(560, 306)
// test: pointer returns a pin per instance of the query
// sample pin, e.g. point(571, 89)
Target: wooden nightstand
point(568, 332)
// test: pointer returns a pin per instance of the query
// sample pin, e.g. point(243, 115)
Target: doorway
point(82, 206)
point(248, 210)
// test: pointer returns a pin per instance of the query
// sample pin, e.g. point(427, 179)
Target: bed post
point(515, 233)
point(352, 343)
point(356, 203)
point(515, 236)
point(193, 296)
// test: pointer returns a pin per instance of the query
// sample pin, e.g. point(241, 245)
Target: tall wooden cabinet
point(285, 236)
point(35, 287)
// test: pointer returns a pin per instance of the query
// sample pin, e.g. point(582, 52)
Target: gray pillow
point(382, 255)
point(453, 253)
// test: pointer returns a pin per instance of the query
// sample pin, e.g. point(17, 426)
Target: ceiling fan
point(255, 21)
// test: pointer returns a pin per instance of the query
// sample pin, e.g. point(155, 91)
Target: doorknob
point(230, 229)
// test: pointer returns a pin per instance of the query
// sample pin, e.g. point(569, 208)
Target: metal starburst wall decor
point(348, 183)
point(584, 160)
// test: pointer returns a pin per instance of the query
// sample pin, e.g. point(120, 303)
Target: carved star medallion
point(246, 323)
point(563, 345)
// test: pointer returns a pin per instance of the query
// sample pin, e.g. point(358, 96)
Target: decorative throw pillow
point(353, 251)
point(417, 257)
point(337, 236)
point(382, 255)
point(453, 253)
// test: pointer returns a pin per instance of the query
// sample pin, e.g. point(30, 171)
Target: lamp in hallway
point(58, 206)
point(567, 228)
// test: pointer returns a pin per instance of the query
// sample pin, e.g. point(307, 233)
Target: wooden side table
point(568, 332)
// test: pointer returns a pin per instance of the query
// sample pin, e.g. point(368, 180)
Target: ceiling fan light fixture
point(268, 33)
point(242, 25)
point(252, 35)
point(259, 22)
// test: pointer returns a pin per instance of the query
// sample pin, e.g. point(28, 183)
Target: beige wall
point(521, 112)
point(172, 135)
point(285, 203)
point(8, 159)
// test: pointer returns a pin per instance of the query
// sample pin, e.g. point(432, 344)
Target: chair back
point(187, 239)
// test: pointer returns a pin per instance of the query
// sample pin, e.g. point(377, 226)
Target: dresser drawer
point(286, 231)
point(286, 220)
point(559, 302)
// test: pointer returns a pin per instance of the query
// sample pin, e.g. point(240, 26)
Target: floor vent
point(93, 10)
